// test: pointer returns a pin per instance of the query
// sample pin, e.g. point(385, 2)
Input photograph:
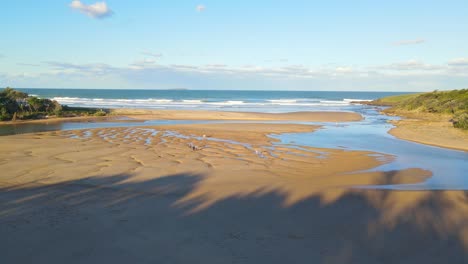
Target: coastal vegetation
point(451, 103)
point(15, 105)
point(394, 100)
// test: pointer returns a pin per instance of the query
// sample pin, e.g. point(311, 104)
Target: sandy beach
point(220, 132)
point(216, 193)
point(430, 129)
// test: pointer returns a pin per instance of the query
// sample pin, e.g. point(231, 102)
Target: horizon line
point(256, 90)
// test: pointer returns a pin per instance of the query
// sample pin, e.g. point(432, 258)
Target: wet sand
point(245, 116)
point(217, 193)
point(145, 114)
point(430, 129)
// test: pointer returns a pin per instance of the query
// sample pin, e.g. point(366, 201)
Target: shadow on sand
point(113, 220)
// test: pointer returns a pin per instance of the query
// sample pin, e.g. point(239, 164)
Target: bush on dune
point(461, 121)
point(446, 102)
point(453, 103)
point(16, 104)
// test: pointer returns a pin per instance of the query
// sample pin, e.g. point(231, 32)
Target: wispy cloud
point(200, 8)
point(96, 10)
point(91, 68)
point(407, 75)
point(409, 42)
point(28, 64)
point(458, 62)
point(141, 64)
point(410, 65)
point(151, 54)
point(216, 65)
point(147, 67)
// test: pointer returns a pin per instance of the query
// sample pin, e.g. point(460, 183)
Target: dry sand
point(430, 129)
point(183, 194)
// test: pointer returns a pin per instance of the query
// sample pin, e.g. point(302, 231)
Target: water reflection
point(76, 125)
point(449, 167)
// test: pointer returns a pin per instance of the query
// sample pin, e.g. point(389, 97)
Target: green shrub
point(13, 94)
point(461, 121)
point(31, 107)
point(100, 113)
point(446, 102)
point(57, 108)
point(4, 115)
point(454, 103)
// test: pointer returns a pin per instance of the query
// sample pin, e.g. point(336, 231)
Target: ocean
point(224, 100)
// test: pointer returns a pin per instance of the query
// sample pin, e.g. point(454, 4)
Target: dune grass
point(397, 98)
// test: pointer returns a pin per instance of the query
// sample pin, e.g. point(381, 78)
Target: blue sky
point(287, 45)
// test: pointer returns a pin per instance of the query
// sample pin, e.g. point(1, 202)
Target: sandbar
point(246, 116)
point(430, 129)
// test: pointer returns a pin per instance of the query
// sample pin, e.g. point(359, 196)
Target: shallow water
point(76, 125)
point(449, 167)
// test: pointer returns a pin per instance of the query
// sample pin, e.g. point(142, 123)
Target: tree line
point(15, 104)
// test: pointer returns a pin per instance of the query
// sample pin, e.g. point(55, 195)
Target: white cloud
point(409, 42)
point(83, 69)
point(458, 62)
point(147, 73)
point(200, 8)
point(288, 72)
point(344, 69)
point(185, 67)
point(216, 65)
point(28, 64)
point(96, 10)
point(141, 64)
point(410, 65)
